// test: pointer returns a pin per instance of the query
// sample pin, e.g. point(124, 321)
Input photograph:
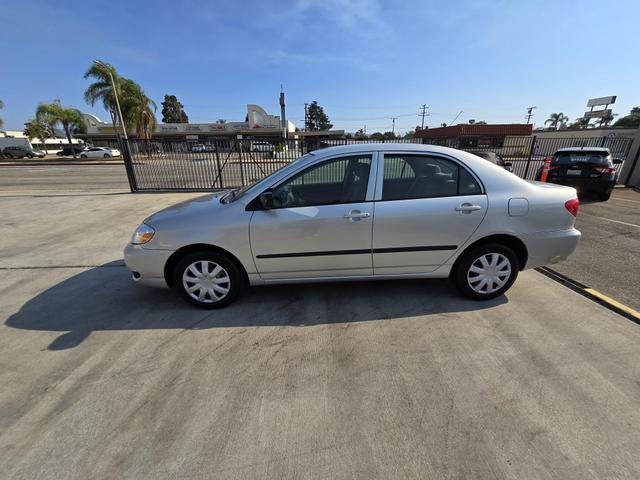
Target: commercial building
point(475, 135)
point(258, 124)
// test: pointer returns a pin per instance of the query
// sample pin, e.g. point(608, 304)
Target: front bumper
point(547, 248)
point(146, 265)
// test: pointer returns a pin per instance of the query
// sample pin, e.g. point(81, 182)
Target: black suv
point(589, 170)
point(66, 151)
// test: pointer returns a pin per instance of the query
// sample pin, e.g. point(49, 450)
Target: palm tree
point(557, 120)
point(1, 107)
point(138, 110)
point(54, 113)
point(102, 89)
point(37, 129)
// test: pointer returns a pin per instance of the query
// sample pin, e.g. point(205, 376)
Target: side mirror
point(266, 199)
point(617, 161)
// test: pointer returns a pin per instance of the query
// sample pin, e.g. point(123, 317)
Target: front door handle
point(467, 208)
point(356, 215)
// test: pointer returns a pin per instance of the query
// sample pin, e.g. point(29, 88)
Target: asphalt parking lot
point(106, 379)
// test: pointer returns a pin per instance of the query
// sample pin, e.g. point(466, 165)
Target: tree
point(580, 122)
point(1, 107)
point(607, 119)
point(221, 120)
point(102, 89)
point(377, 136)
point(38, 129)
point(172, 110)
point(409, 134)
point(557, 121)
point(138, 110)
point(631, 121)
point(70, 118)
point(316, 118)
point(360, 135)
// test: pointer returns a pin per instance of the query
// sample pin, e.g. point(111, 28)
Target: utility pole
point(305, 116)
point(393, 127)
point(423, 113)
point(530, 114)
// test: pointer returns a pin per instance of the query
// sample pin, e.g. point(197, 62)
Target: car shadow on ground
point(106, 299)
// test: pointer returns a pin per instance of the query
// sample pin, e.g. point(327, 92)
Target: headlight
point(143, 234)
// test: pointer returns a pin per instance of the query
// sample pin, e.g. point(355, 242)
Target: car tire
point(603, 196)
point(83, 156)
point(106, 155)
point(30, 156)
point(188, 274)
point(468, 274)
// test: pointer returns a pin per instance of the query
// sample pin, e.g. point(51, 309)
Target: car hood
point(185, 209)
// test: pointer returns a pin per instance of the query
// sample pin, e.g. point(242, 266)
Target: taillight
point(604, 169)
point(572, 206)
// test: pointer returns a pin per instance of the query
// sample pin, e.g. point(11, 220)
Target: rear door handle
point(467, 208)
point(356, 215)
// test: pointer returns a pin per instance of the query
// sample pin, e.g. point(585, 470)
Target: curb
point(60, 163)
point(592, 294)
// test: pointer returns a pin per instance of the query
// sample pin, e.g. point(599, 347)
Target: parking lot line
point(625, 199)
point(610, 220)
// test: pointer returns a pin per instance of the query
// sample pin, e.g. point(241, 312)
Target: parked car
point(209, 147)
point(20, 151)
point(197, 148)
point(262, 147)
point(356, 212)
point(68, 151)
point(589, 170)
point(493, 158)
point(100, 152)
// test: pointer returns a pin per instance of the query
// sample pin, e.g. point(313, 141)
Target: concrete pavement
point(106, 379)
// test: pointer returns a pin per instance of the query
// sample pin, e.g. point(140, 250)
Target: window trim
point(460, 164)
point(255, 205)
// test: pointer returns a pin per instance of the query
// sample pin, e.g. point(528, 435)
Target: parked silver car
point(368, 211)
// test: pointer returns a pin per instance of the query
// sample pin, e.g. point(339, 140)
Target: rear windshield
point(586, 157)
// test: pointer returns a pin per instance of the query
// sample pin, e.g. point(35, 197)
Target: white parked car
point(100, 152)
point(262, 147)
point(358, 212)
point(198, 148)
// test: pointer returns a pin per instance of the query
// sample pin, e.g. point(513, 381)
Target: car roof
point(583, 149)
point(385, 147)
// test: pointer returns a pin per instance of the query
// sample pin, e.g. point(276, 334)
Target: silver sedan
point(359, 212)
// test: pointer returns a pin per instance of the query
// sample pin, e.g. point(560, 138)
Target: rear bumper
point(586, 184)
point(547, 248)
point(146, 266)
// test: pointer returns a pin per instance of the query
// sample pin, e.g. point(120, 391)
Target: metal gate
point(159, 165)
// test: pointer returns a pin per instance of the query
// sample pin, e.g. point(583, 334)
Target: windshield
point(571, 158)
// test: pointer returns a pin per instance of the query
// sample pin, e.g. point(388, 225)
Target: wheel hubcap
point(489, 273)
point(206, 281)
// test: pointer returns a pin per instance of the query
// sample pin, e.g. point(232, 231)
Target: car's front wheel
point(486, 272)
point(83, 156)
point(208, 279)
point(106, 155)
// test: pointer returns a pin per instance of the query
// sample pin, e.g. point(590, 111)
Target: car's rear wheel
point(604, 196)
point(486, 272)
point(208, 279)
point(83, 156)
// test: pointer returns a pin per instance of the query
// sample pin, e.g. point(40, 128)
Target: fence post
point(531, 149)
point(217, 143)
point(604, 140)
point(128, 164)
point(239, 144)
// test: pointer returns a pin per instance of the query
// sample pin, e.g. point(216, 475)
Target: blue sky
point(363, 60)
